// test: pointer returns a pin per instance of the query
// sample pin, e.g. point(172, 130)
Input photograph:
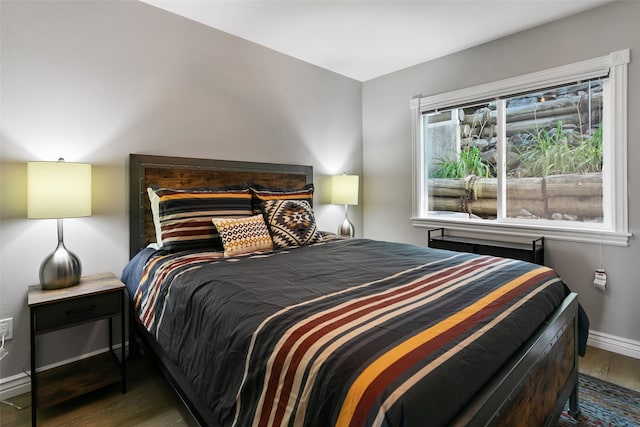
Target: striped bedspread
point(349, 332)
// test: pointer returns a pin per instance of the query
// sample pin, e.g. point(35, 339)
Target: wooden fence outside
point(568, 197)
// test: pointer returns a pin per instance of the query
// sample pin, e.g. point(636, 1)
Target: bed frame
point(531, 389)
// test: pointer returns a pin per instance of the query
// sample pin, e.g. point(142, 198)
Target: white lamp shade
point(58, 189)
point(344, 189)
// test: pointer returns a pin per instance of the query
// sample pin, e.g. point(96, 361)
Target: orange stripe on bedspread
point(295, 349)
point(368, 386)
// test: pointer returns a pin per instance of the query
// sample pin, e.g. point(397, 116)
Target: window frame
point(616, 232)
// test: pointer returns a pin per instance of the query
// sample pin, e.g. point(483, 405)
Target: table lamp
point(344, 191)
point(59, 190)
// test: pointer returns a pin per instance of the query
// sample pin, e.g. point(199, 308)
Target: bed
point(333, 331)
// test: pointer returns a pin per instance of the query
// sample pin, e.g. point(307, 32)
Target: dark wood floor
point(150, 402)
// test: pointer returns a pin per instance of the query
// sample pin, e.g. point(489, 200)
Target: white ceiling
point(367, 39)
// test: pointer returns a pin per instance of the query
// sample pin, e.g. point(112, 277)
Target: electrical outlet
point(600, 279)
point(6, 328)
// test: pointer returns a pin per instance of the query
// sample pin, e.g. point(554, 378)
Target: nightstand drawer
point(69, 312)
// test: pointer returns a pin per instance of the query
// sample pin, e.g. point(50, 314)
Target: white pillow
point(154, 199)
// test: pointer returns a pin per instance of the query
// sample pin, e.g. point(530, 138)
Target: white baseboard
point(14, 386)
point(21, 383)
point(614, 344)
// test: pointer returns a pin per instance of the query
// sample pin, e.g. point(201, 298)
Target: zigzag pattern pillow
point(291, 223)
point(243, 235)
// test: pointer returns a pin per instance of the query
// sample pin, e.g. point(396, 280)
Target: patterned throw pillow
point(291, 223)
point(185, 215)
point(262, 194)
point(243, 235)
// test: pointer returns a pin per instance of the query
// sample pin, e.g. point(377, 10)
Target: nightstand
point(96, 297)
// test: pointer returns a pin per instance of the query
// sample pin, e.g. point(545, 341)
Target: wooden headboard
point(182, 172)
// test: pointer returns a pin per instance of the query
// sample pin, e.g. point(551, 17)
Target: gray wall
point(95, 81)
point(387, 146)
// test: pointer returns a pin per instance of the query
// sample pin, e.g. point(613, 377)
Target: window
point(538, 154)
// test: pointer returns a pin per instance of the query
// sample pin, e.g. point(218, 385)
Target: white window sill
point(492, 228)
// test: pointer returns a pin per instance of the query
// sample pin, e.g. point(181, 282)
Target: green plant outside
point(551, 153)
point(469, 162)
point(547, 153)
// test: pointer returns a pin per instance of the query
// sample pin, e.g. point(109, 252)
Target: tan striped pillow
point(243, 235)
point(185, 215)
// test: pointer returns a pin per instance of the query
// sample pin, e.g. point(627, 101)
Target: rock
point(480, 143)
point(513, 162)
point(489, 156)
point(466, 142)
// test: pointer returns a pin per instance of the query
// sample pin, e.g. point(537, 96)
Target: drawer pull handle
point(81, 310)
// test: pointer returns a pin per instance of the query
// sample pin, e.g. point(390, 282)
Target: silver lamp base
point(62, 268)
point(346, 228)
point(59, 270)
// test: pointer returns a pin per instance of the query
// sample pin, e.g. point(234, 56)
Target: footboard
point(534, 386)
